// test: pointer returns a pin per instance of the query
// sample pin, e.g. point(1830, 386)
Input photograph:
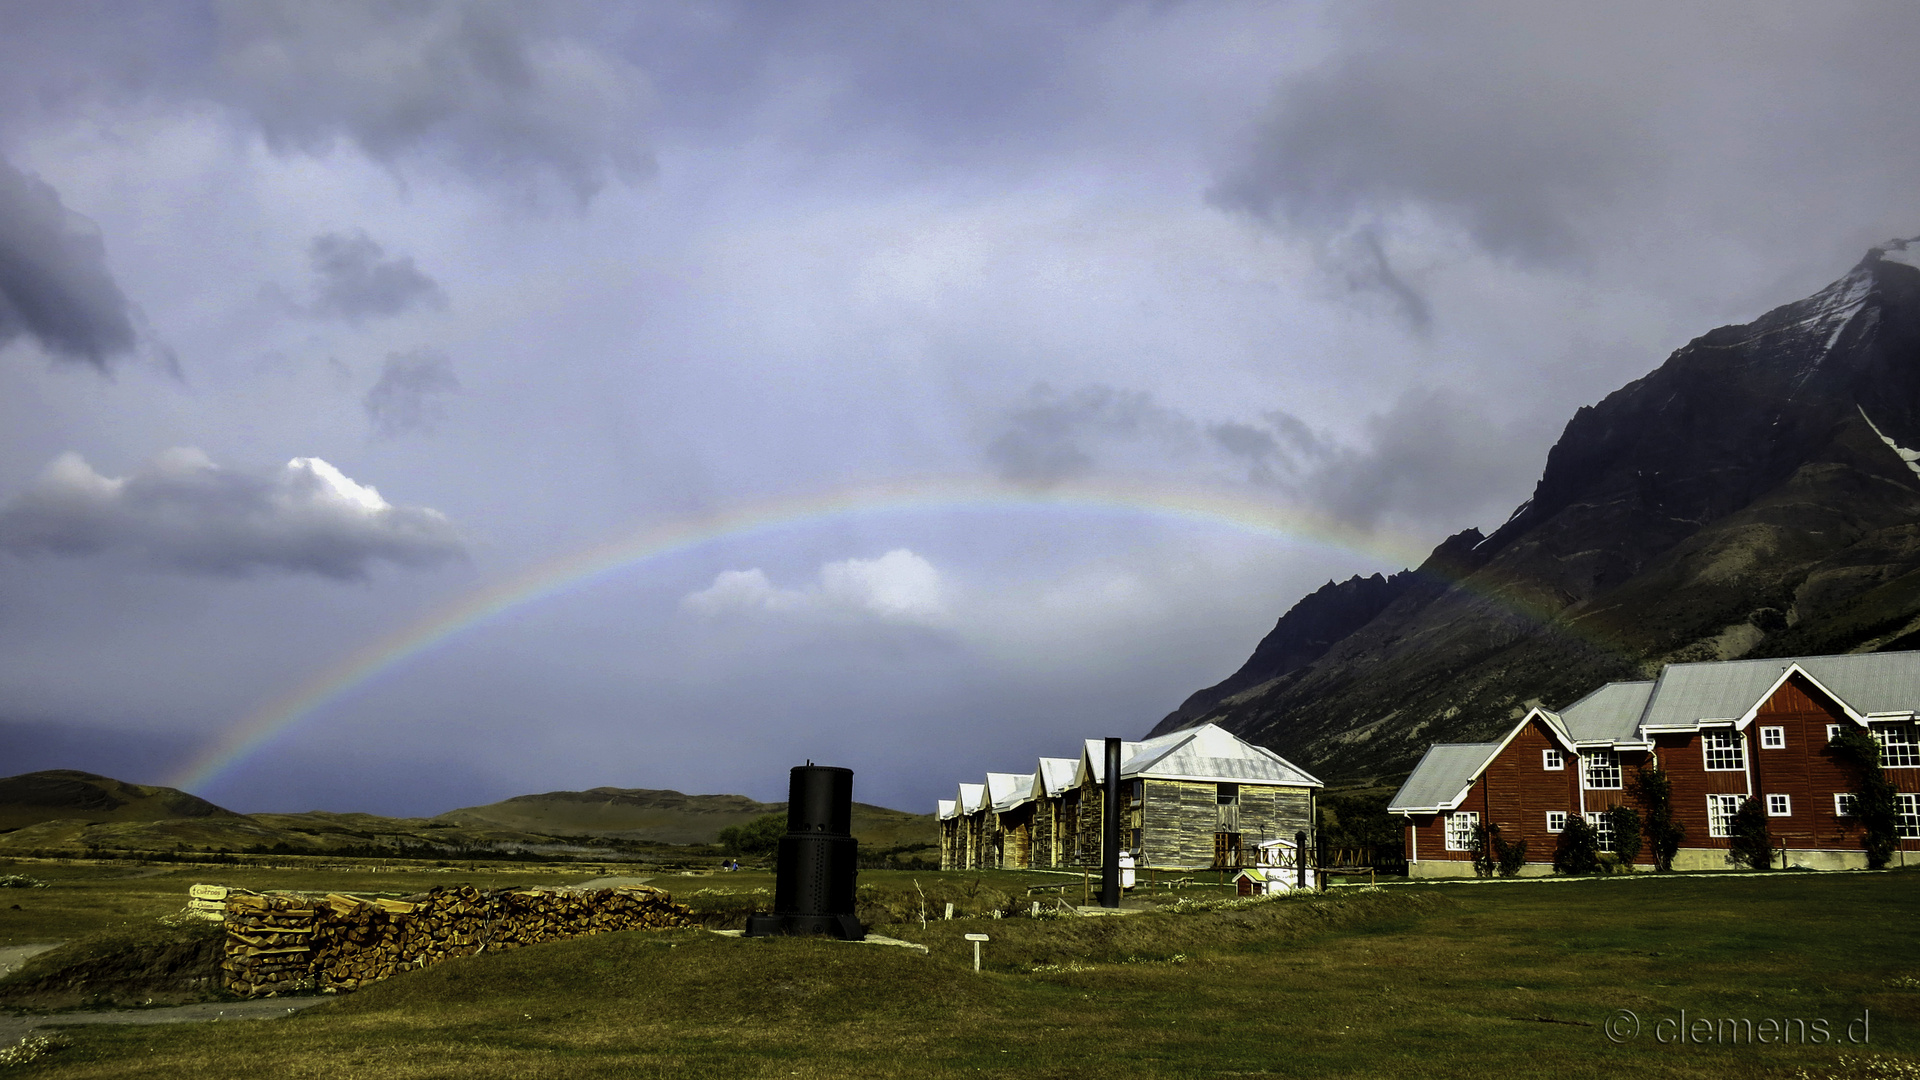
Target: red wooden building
point(1723, 732)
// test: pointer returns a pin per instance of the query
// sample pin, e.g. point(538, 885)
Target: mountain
point(670, 817)
point(1752, 496)
point(34, 797)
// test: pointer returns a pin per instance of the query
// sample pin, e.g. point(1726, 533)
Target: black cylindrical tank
point(819, 859)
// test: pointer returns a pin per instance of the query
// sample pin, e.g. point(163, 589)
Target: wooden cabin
point(1723, 732)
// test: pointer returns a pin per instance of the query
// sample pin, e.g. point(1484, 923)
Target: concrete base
point(1685, 859)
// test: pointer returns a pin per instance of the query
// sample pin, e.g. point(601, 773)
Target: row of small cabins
point(1722, 732)
point(1198, 798)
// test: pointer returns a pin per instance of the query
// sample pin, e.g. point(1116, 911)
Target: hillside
point(670, 817)
point(1750, 497)
point(68, 794)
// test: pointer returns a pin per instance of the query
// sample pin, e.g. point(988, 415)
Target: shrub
point(1578, 851)
point(761, 836)
point(1492, 854)
point(1748, 844)
point(1626, 834)
point(1875, 804)
point(1655, 792)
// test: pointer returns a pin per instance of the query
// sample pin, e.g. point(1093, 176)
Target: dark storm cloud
point(1053, 436)
point(184, 513)
point(499, 90)
point(1431, 455)
point(412, 393)
point(355, 279)
point(54, 283)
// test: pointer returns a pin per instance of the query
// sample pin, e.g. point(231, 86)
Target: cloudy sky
point(319, 321)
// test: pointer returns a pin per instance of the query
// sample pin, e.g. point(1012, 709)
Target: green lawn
point(1409, 981)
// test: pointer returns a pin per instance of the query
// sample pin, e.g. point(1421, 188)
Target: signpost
point(976, 939)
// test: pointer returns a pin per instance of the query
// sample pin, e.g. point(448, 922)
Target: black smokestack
point(819, 859)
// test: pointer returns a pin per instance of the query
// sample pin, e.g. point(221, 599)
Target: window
point(1773, 738)
point(1720, 811)
point(1602, 769)
point(1726, 751)
point(1552, 760)
point(1556, 821)
point(1843, 805)
point(1779, 806)
point(1602, 831)
point(1833, 732)
point(1909, 819)
point(1460, 830)
point(1897, 749)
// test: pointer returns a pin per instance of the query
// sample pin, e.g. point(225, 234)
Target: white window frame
point(1898, 749)
point(1553, 760)
point(1833, 732)
point(1461, 825)
point(1602, 827)
point(1773, 738)
point(1609, 760)
point(1723, 741)
point(1556, 821)
point(1779, 804)
point(1720, 811)
point(1844, 803)
point(1908, 819)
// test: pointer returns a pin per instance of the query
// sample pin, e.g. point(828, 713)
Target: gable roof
point(1054, 775)
point(970, 798)
point(1208, 754)
point(1609, 714)
point(1445, 773)
point(1865, 684)
point(1009, 790)
point(946, 808)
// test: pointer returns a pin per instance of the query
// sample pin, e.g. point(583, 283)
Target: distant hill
point(1757, 495)
point(67, 794)
point(65, 809)
point(670, 817)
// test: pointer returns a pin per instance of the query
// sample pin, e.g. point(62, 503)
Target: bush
point(1626, 834)
point(1579, 849)
point(1655, 792)
point(1492, 854)
point(761, 836)
point(1875, 804)
point(1748, 844)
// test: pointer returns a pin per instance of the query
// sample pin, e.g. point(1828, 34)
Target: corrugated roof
point(946, 808)
point(1009, 790)
point(970, 797)
point(1611, 713)
point(1054, 776)
point(1205, 753)
point(1725, 690)
point(1443, 775)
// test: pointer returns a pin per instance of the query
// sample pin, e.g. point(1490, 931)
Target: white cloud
point(183, 512)
point(898, 587)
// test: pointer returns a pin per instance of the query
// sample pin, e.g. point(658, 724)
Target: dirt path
point(15, 1028)
point(612, 882)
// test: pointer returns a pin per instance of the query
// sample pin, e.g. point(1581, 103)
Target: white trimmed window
point(1460, 830)
point(1720, 811)
point(1726, 750)
point(1602, 831)
point(1909, 819)
point(1773, 738)
point(1897, 749)
point(1833, 732)
point(1552, 760)
point(1602, 768)
point(1779, 805)
point(1556, 821)
point(1843, 804)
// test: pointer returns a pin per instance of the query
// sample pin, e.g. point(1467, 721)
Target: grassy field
point(1417, 981)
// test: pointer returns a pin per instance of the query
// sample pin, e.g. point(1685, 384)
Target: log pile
point(280, 943)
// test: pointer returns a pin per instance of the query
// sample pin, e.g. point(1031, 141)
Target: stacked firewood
point(279, 943)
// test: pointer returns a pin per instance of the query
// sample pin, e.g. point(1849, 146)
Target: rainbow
point(1236, 510)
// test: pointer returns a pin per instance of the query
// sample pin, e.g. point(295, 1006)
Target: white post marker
point(976, 939)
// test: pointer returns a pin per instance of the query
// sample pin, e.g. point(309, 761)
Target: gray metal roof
point(1609, 714)
point(970, 798)
point(1054, 776)
point(1687, 694)
point(1207, 753)
point(1009, 790)
point(946, 808)
point(1444, 774)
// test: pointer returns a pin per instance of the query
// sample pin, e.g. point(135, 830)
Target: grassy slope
point(1413, 981)
point(673, 818)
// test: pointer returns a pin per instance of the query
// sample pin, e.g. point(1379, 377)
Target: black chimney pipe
point(819, 858)
point(1110, 831)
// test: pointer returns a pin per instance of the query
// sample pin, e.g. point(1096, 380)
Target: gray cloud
point(1054, 436)
point(1432, 455)
point(54, 284)
point(412, 393)
point(184, 513)
point(356, 280)
point(495, 89)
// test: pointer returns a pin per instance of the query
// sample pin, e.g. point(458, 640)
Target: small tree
point(1579, 849)
point(761, 836)
point(1492, 854)
point(1876, 805)
point(1511, 857)
point(1748, 844)
point(1626, 834)
point(1655, 792)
